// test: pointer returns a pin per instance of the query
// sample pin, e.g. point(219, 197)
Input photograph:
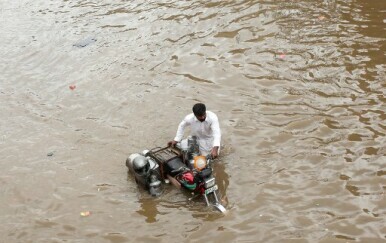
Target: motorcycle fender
point(174, 181)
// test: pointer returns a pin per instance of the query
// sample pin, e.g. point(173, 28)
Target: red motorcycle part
point(188, 177)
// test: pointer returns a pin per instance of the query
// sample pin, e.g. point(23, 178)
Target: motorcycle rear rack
point(163, 155)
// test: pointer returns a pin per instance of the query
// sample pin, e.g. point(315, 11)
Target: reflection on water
point(148, 209)
point(222, 181)
point(299, 88)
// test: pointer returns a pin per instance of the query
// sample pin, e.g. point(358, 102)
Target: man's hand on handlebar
point(172, 143)
point(214, 152)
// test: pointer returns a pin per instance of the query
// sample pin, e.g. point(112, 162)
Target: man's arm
point(215, 126)
point(180, 132)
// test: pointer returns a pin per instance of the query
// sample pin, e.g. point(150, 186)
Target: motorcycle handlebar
point(209, 159)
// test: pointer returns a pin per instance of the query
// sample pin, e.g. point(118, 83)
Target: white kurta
point(208, 132)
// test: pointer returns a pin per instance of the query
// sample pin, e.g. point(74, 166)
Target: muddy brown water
point(299, 87)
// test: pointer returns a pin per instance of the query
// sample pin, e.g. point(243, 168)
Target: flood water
point(299, 88)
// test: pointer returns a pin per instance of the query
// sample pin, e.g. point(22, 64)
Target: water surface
point(299, 87)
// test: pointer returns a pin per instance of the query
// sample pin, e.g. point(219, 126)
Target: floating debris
point(72, 87)
point(85, 213)
point(85, 42)
point(50, 154)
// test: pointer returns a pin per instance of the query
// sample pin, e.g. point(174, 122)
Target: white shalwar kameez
point(208, 132)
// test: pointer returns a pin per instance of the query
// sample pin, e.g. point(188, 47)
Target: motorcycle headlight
point(199, 162)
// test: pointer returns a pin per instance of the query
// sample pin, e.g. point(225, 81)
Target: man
point(205, 126)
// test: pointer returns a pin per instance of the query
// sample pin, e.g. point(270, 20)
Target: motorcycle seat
point(175, 166)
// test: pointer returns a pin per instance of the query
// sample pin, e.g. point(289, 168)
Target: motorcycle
point(183, 166)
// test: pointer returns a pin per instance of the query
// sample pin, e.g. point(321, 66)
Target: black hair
point(199, 109)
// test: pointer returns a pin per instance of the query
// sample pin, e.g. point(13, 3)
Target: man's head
point(199, 111)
